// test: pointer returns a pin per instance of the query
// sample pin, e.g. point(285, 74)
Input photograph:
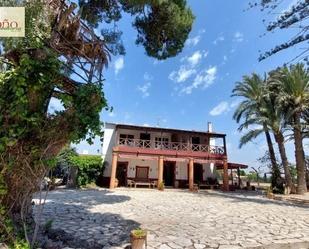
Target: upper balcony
point(172, 146)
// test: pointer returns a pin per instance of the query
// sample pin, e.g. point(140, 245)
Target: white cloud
point(204, 79)
point(157, 62)
point(220, 38)
point(144, 89)
point(195, 58)
point(189, 68)
point(182, 74)
point(147, 77)
point(202, 31)
point(127, 116)
point(235, 103)
point(238, 37)
point(220, 108)
point(193, 41)
point(225, 59)
point(224, 107)
point(146, 125)
point(112, 114)
point(119, 65)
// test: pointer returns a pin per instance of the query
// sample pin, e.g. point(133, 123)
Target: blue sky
point(193, 88)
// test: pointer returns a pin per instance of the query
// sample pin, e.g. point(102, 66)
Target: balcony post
point(160, 170)
point(191, 174)
point(114, 170)
point(225, 176)
point(224, 144)
point(238, 174)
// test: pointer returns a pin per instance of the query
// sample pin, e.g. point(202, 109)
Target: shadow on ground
point(253, 197)
point(74, 223)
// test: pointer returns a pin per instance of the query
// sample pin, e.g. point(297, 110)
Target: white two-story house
point(178, 158)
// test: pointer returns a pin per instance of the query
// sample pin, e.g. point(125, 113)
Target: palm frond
point(249, 136)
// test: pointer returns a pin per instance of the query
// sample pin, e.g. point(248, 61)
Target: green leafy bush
point(20, 244)
point(89, 168)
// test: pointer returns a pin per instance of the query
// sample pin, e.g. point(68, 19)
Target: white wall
point(152, 164)
point(107, 148)
point(210, 169)
point(111, 136)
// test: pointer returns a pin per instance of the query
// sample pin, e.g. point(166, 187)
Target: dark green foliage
point(242, 172)
point(48, 225)
point(275, 179)
point(98, 11)
point(165, 29)
point(162, 25)
point(63, 163)
point(39, 67)
point(278, 103)
point(251, 111)
point(293, 85)
point(90, 167)
point(252, 176)
point(293, 171)
point(293, 19)
point(23, 105)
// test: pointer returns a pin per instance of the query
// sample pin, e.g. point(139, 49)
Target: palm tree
point(250, 109)
point(294, 99)
point(275, 120)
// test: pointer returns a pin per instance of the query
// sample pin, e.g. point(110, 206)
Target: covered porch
point(234, 170)
point(174, 171)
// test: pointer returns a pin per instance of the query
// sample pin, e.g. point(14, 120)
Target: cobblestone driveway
point(176, 219)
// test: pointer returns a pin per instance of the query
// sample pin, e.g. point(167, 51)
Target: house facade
point(179, 158)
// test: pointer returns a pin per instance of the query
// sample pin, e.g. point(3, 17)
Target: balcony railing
point(150, 144)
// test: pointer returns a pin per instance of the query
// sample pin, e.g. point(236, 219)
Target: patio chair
point(154, 184)
point(130, 183)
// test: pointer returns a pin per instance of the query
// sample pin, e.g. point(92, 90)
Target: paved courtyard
point(176, 219)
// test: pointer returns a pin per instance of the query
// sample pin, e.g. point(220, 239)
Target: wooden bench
point(142, 184)
point(211, 186)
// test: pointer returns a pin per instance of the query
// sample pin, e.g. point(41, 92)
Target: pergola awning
point(232, 166)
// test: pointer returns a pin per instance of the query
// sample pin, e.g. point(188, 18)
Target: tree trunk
point(288, 179)
point(299, 156)
point(275, 179)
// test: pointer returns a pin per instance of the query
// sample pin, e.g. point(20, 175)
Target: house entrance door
point(169, 174)
point(198, 173)
point(121, 173)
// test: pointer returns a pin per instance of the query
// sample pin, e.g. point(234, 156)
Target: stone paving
point(177, 219)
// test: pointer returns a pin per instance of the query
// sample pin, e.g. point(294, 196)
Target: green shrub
point(90, 167)
point(48, 225)
point(20, 244)
point(139, 233)
point(161, 186)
